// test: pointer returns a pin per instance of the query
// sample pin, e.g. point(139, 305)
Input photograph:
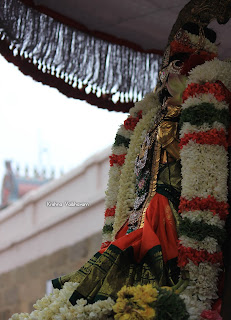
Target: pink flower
point(211, 315)
point(141, 183)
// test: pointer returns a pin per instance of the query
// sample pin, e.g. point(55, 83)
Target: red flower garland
point(196, 60)
point(211, 315)
point(117, 159)
point(197, 256)
point(130, 123)
point(205, 204)
point(211, 137)
point(216, 89)
point(177, 47)
point(110, 212)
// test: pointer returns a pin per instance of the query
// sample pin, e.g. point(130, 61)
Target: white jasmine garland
point(145, 104)
point(189, 128)
point(193, 305)
point(203, 289)
point(21, 316)
point(204, 171)
point(204, 268)
point(109, 220)
point(113, 186)
point(204, 216)
point(126, 195)
point(209, 244)
point(211, 71)
point(123, 132)
point(114, 177)
point(98, 310)
point(203, 279)
point(120, 150)
point(114, 174)
point(106, 237)
point(56, 306)
point(202, 294)
point(208, 45)
point(207, 98)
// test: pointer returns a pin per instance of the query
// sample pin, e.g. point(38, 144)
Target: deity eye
point(175, 66)
point(178, 63)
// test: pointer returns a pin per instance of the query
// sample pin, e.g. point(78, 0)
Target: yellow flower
point(134, 303)
point(148, 313)
point(146, 293)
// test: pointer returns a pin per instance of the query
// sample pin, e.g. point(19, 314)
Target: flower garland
point(208, 45)
point(57, 306)
point(203, 203)
point(203, 206)
point(185, 41)
point(140, 302)
point(211, 71)
point(127, 193)
point(212, 136)
point(214, 88)
point(135, 302)
point(117, 159)
point(146, 302)
point(207, 91)
point(177, 46)
point(194, 60)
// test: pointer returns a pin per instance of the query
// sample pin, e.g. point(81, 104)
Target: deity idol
point(167, 198)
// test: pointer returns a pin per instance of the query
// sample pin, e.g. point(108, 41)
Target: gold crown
point(202, 12)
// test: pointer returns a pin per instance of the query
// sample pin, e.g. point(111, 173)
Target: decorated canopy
point(105, 52)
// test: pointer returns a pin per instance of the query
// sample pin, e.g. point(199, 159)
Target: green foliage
point(199, 230)
point(120, 140)
point(169, 306)
point(108, 228)
point(204, 113)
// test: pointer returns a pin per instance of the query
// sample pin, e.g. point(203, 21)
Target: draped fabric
point(80, 65)
point(146, 255)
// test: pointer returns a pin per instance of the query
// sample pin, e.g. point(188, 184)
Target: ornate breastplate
point(147, 163)
point(146, 173)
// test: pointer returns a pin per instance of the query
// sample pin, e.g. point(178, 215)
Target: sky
point(42, 128)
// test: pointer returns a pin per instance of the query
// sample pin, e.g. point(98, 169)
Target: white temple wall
point(31, 229)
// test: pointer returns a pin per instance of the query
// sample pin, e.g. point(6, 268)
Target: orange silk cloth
point(159, 229)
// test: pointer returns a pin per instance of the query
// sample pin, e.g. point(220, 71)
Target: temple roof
point(16, 185)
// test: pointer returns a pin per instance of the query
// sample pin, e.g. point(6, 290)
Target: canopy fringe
point(79, 59)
